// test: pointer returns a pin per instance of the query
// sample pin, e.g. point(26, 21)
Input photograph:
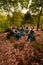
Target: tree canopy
point(8, 4)
point(37, 8)
point(36, 5)
point(12, 6)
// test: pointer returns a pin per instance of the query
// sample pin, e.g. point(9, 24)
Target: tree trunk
point(13, 20)
point(39, 15)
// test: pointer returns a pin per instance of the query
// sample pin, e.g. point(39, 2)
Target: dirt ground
point(20, 52)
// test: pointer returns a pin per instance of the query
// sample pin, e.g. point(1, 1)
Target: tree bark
point(39, 15)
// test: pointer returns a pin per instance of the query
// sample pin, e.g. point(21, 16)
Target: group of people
point(17, 33)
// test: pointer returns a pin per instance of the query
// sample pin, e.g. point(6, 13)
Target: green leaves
point(17, 18)
point(37, 7)
point(28, 18)
point(36, 4)
point(13, 3)
point(24, 3)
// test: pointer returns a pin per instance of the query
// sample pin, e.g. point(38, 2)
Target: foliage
point(28, 18)
point(6, 21)
point(35, 20)
point(41, 21)
point(37, 8)
point(8, 4)
point(17, 18)
point(35, 5)
point(4, 26)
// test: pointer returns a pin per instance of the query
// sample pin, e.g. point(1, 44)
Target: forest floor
point(21, 52)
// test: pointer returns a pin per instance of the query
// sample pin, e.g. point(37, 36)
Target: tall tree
point(37, 7)
point(8, 5)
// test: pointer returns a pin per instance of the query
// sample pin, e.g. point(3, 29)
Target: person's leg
point(31, 40)
point(28, 38)
point(18, 37)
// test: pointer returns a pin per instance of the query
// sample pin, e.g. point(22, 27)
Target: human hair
point(31, 31)
point(26, 27)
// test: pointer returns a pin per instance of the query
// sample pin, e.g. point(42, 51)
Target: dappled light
point(21, 32)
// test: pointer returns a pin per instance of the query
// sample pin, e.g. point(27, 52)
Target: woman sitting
point(31, 36)
point(26, 30)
